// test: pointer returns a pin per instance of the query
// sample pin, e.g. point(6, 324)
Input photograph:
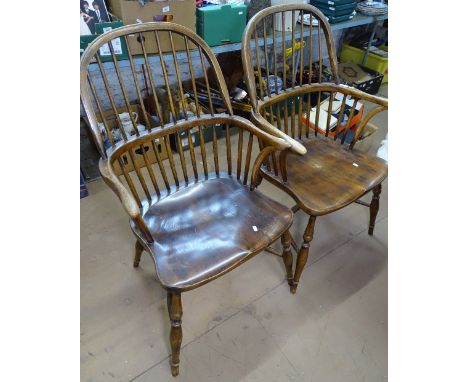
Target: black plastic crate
point(370, 86)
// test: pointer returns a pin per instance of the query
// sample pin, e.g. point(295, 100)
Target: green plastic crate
point(221, 24)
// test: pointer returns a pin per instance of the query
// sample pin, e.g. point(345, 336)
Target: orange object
point(353, 125)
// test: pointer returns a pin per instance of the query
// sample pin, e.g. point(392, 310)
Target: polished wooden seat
point(328, 178)
point(179, 160)
point(286, 86)
point(207, 228)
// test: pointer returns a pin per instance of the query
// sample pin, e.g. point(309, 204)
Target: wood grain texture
point(210, 227)
point(329, 176)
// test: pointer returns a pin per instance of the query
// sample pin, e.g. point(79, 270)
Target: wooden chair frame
point(134, 189)
point(264, 115)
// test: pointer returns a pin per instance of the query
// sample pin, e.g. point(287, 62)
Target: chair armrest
point(126, 198)
point(380, 102)
point(349, 90)
point(267, 127)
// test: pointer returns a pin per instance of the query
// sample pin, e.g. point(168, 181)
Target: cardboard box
point(138, 154)
point(180, 12)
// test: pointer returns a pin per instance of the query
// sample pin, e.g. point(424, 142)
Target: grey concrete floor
point(244, 326)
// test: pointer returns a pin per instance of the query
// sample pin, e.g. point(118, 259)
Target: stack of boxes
point(336, 11)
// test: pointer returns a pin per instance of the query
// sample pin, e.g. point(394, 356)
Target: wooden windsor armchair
point(320, 171)
point(192, 203)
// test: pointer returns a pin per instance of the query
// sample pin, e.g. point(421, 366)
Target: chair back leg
point(374, 208)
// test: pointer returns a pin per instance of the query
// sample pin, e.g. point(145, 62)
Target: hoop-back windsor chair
point(196, 213)
point(320, 171)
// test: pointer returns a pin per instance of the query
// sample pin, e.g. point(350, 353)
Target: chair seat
point(210, 227)
point(329, 177)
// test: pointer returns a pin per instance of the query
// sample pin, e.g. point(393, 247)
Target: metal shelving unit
point(354, 22)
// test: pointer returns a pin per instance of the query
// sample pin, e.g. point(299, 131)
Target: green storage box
point(207, 132)
point(221, 24)
point(118, 44)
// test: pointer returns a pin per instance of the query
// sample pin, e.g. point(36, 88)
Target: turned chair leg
point(174, 306)
point(287, 256)
point(303, 252)
point(138, 252)
point(374, 208)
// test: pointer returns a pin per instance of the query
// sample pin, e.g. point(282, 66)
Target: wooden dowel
point(330, 104)
point(150, 170)
point(340, 116)
point(274, 159)
point(129, 181)
point(192, 76)
point(179, 79)
point(160, 162)
point(301, 62)
point(175, 115)
point(259, 69)
point(267, 66)
point(124, 90)
point(139, 174)
point(101, 112)
point(192, 154)
point(228, 149)
point(351, 115)
point(293, 47)
point(180, 150)
point(247, 159)
point(275, 57)
point(135, 80)
point(111, 98)
point(151, 80)
point(165, 139)
point(201, 132)
point(239, 152)
point(202, 59)
point(317, 112)
point(215, 149)
point(283, 38)
point(319, 35)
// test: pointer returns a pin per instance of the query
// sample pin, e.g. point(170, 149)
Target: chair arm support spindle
point(128, 201)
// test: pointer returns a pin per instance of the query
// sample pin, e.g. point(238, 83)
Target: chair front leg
point(303, 252)
point(374, 208)
point(287, 256)
point(138, 252)
point(174, 306)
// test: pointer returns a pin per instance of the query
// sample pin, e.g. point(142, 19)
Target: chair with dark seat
point(322, 119)
point(183, 166)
